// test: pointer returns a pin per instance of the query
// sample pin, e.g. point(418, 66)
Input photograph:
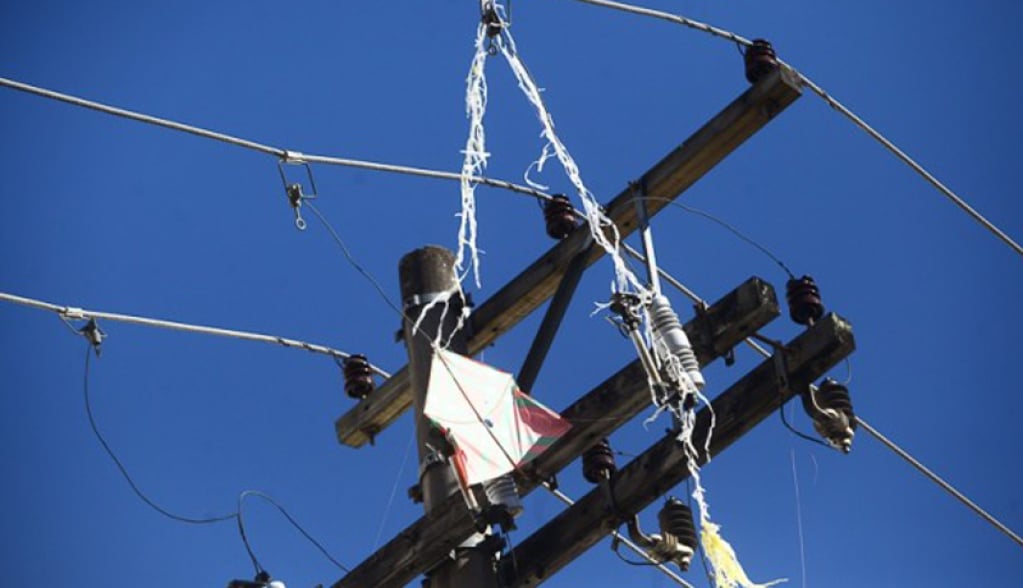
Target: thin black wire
point(294, 523)
point(195, 521)
point(630, 561)
point(785, 421)
point(727, 226)
point(348, 255)
point(124, 471)
point(401, 313)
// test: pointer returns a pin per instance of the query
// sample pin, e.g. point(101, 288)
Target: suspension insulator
point(599, 462)
point(559, 216)
point(358, 377)
point(673, 338)
point(676, 519)
point(831, 409)
point(804, 297)
point(760, 60)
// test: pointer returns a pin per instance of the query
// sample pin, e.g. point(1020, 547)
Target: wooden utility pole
point(426, 275)
point(426, 544)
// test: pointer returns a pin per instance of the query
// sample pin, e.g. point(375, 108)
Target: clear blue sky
point(113, 215)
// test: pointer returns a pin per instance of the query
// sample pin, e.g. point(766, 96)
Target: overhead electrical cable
point(73, 313)
point(237, 515)
point(939, 481)
point(831, 101)
point(283, 154)
point(888, 443)
point(124, 471)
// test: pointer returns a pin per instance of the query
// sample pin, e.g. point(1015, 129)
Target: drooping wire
point(67, 313)
point(120, 465)
point(833, 103)
point(796, 432)
point(284, 154)
point(258, 494)
point(353, 262)
point(731, 228)
point(192, 520)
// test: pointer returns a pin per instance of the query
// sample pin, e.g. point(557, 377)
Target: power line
point(868, 428)
point(727, 226)
point(283, 154)
point(124, 471)
point(238, 515)
point(831, 101)
point(73, 313)
point(939, 481)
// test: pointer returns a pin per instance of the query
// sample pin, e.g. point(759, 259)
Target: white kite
point(495, 427)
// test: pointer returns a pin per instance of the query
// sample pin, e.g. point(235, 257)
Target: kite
point(494, 427)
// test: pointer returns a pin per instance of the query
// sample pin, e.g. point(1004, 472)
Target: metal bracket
point(293, 190)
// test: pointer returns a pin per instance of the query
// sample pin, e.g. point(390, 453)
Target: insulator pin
point(804, 298)
point(668, 330)
point(760, 60)
point(358, 376)
point(599, 462)
point(830, 407)
point(559, 216)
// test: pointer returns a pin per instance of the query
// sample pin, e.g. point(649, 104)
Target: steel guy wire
point(283, 154)
point(625, 541)
point(72, 313)
point(888, 443)
point(831, 101)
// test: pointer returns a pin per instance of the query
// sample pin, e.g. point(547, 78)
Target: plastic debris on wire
point(494, 427)
point(475, 158)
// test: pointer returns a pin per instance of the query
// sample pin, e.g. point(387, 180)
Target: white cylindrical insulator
point(668, 329)
point(502, 490)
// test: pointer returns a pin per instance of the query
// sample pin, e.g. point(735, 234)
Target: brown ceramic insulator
point(760, 60)
point(599, 462)
point(804, 298)
point(358, 377)
point(559, 216)
point(676, 518)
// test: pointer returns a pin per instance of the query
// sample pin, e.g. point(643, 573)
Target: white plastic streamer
point(604, 231)
point(475, 158)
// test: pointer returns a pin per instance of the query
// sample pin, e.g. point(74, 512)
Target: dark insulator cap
point(760, 60)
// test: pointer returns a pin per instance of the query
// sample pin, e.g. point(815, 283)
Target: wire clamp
point(293, 190)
